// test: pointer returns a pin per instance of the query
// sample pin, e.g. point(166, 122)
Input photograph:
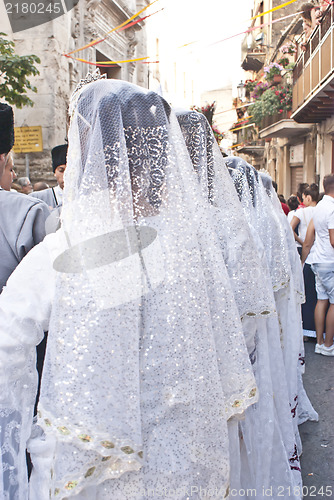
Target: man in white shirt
point(53, 197)
point(318, 248)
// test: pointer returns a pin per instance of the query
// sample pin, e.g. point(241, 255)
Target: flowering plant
point(250, 85)
point(259, 89)
point(275, 100)
point(284, 61)
point(218, 135)
point(207, 111)
point(272, 70)
point(284, 96)
point(289, 48)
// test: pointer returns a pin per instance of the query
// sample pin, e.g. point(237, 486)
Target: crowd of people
point(171, 290)
point(310, 214)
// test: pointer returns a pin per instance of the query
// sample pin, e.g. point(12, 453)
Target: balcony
point(282, 126)
point(255, 149)
point(253, 52)
point(253, 61)
point(248, 143)
point(313, 75)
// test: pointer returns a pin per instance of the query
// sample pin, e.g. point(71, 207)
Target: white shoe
point(317, 348)
point(327, 351)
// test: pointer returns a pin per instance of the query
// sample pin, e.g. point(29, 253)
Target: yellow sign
point(28, 140)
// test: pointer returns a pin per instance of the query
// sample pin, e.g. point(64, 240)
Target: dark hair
point(293, 202)
point(306, 8)
point(321, 195)
point(300, 190)
point(328, 183)
point(274, 185)
point(281, 198)
point(313, 191)
point(7, 128)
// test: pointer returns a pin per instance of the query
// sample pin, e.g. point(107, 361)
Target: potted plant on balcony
point(284, 61)
point(207, 110)
point(273, 72)
point(259, 89)
point(218, 135)
point(289, 48)
point(250, 86)
point(273, 101)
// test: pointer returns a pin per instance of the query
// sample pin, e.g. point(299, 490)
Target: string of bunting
point(107, 64)
point(243, 120)
point(249, 30)
point(239, 128)
point(233, 109)
point(143, 60)
point(251, 19)
point(272, 10)
point(98, 40)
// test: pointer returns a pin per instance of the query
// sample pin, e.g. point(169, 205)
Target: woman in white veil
point(262, 212)
point(146, 360)
point(268, 458)
point(293, 324)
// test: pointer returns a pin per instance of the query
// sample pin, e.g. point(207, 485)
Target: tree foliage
point(14, 73)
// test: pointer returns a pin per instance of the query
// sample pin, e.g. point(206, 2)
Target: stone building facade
point(297, 146)
point(87, 21)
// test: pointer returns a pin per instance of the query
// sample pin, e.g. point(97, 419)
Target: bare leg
point(319, 319)
point(329, 326)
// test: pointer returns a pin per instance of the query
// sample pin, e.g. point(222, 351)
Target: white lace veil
point(294, 259)
point(247, 274)
point(261, 216)
point(146, 359)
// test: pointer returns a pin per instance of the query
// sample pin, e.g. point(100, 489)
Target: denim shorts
point(324, 281)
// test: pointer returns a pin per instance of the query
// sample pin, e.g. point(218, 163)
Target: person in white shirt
point(301, 219)
point(318, 249)
point(303, 216)
point(293, 205)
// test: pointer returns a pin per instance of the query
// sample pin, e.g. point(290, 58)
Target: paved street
point(318, 437)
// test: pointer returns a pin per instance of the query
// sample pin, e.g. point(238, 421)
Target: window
point(111, 72)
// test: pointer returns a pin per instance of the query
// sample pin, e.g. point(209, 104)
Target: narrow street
point(318, 437)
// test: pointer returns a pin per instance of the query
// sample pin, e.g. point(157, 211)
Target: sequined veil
point(264, 212)
point(260, 215)
point(137, 334)
point(290, 315)
point(242, 257)
point(267, 431)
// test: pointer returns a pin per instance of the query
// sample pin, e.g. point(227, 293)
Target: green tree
point(14, 71)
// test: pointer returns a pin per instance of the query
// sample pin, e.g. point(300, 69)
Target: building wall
point(317, 144)
point(175, 75)
point(89, 20)
point(325, 148)
point(224, 116)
